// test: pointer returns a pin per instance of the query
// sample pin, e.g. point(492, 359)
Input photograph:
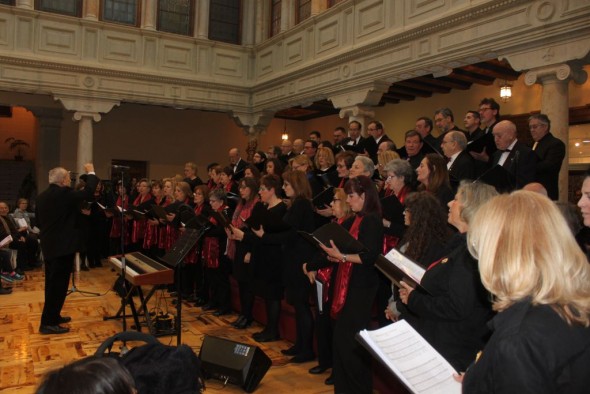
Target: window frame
point(138, 9)
point(239, 25)
point(191, 26)
point(79, 8)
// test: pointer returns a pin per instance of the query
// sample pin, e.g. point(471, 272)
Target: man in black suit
point(237, 164)
point(377, 135)
point(517, 158)
point(412, 149)
point(286, 152)
point(550, 153)
point(461, 164)
point(472, 122)
point(57, 211)
point(357, 142)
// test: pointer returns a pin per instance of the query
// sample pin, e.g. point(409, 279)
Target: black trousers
point(352, 363)
point(57, 279)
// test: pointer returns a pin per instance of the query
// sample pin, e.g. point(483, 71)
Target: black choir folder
point(345, 242)
point(398, 267)
point(411, 358)
point(500, 178)
point(270, 222)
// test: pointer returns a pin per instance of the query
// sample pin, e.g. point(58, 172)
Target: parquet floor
point(25, 355)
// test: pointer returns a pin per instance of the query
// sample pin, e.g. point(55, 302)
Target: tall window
point(224, 20)
point(333, 2)
point(303, 10)
point(7, 2)
point(65, 7)
point(176, 16)
point(120, 11)
point(275, 17)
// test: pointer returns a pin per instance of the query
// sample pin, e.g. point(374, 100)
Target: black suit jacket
point(462, 168)
point(239, 170)
point(522, 162)
point(550, 153)
point(57, 212)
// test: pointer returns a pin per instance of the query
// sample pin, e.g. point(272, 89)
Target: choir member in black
point(259, 160)
point(453, 316)
point(325, 165)
point(383, 158)
point(251, 171)
point(240, 252)
point(27, 246)
point(274, 167)
point(119, 225)
point(355, 288)
point(191, 177)
point(193, 278)
point(296, 251)
point(342, 212)
point(344, 162)
point(168, 231)
point(433, 175)
point(213, 178)
point(214, 259)
point(400, 181)
point(265, 259)
point(303, 164)
point(153, 226)
point(183, 196)
point(142, 203)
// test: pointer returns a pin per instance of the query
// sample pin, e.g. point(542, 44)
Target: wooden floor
point(25, 355)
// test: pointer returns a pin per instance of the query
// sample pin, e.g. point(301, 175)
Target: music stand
point(174, 258)
point(74, 289)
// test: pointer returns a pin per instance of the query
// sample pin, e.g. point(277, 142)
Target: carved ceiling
point(484, 73)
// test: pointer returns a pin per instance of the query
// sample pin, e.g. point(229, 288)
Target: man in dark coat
point(57, 211)
point(550, 153)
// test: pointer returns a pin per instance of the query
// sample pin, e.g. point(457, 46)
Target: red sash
point(210, 252)
point(138, 226)
point(343, 275)
point(242, 213)
point(191, 257)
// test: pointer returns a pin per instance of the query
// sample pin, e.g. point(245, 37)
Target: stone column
point(253, 124)
point(48, 143)
point(262, 21)
point(555, 104)
point(249, 25)
point(86, 111)
point(360, 113)
point(287, 15)
point(317, 6)
point(91, 10)
point(202, 19)
point(149, 11)
point(85, 138)
point(27, 4)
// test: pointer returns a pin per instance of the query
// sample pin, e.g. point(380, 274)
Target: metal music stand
point(74, 289)
point(175, 258)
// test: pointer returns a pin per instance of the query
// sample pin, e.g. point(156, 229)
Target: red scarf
point(325, 274)
point(191, 257)
point(138, 229)
point(211, 248)
point(242, 213)
point(343, 274)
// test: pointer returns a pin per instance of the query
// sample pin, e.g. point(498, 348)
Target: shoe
point(199, 301)
point(5, 290)
point(64, 319)
point(302, 358)
point(84, 268)
point(44, 329)
point(35, 265)
point(329, 380)
point(244, 324)
point(221, 312)
point(318, 369)
point(17, 277)
point(292, 351)
point(208, 307)
point(265, 337)
point(239, 320)
point(19, 271)
point(25, 268)
point(7, 277)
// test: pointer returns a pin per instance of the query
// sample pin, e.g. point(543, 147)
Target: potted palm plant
point(18, 145)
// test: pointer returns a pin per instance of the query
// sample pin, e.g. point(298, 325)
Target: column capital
point(79, 115)
point(556, 72)
point(85, 105)
point(253, 124)
point(574, 49)
point(367, 95)
point(357, 111)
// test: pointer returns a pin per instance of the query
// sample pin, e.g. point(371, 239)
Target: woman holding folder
point(355, 287)
point(452, 316)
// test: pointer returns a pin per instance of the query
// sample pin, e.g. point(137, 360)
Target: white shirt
point(506, 153)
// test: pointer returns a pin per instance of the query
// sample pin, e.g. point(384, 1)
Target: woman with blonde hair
point(325, 165)
point(530, 262)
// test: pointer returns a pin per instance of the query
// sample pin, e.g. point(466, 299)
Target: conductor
point(57, 209)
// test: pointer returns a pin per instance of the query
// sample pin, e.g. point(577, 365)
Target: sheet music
point(319, 286)
point(412, 269)
point(21, 222)
point(421, 368)
point(6, 241)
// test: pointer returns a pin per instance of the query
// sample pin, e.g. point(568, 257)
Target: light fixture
point(505, 91)
point(285, 135)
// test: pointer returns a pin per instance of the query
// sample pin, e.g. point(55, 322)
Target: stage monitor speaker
point(239, 363)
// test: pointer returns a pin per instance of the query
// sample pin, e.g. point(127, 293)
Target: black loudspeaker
point(238, 363)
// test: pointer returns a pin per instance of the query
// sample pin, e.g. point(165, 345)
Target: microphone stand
point(123, 261)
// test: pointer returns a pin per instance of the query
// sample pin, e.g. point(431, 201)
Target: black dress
point(453, 317)
point(266, 268)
